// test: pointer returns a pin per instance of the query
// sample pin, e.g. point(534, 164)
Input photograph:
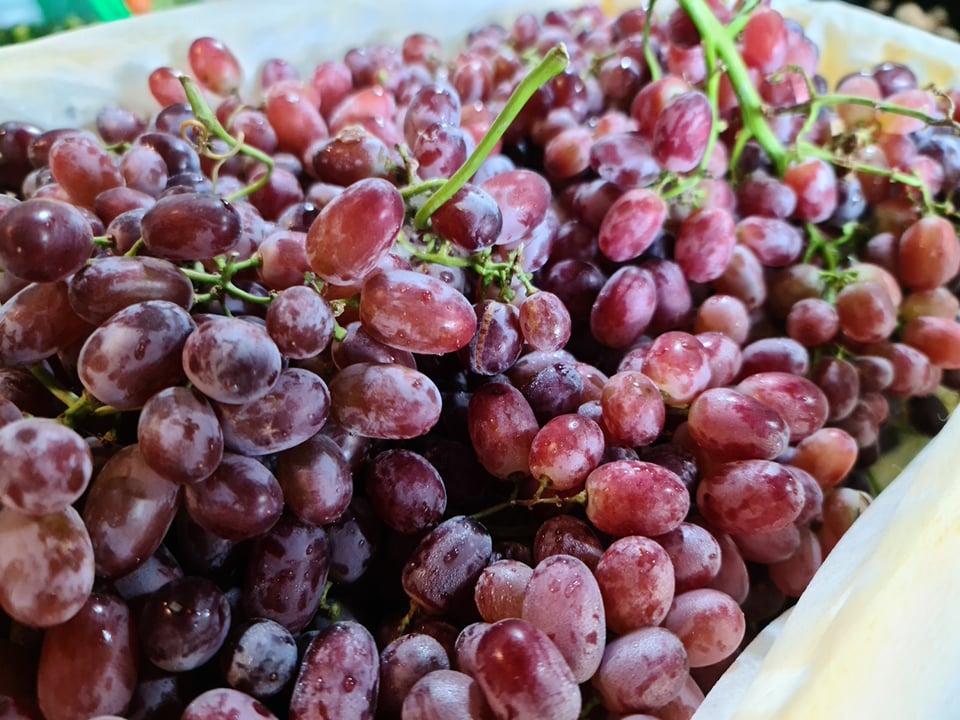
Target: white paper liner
point(64, 80)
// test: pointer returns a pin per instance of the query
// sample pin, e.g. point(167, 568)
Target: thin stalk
point(553, 63)
point(751, 106)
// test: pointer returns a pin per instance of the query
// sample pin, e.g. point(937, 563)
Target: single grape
point(633, 497)
point(709, 623)
point(636, 579)
point(402, 664)
point(190, 226)
point(44, 240)
point(745, 496)
point(500, 589)
point(259, 658)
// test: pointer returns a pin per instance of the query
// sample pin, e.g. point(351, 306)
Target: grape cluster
point(530, 381)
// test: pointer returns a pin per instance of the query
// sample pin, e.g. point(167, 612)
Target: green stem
point(656, 72)
point(103, 241)
point(713, 92)
point(553, 63)
point(834, 99)
point(421, 187)
point(751, 106)
point(208, 120)
point(135, 248)
point(53, 386)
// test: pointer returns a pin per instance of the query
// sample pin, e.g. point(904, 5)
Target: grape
point(744, 278)
point(49, 229)
point(682, 131)
point(841, 507)
point(47, 567)
point(184, 623)
point(190, 226)
point(354, 231)
point(813, 322)
point(563, 600)
point(502, 427)
point(286, 573)
point(316, 480)
point(445, 695)
point(179, 435)
point(632, 224)
point(136, 353)
point(733, 425)
point(499, 591)
point(386, 401)
point(100, 289)
point(47, 466)
point(259, 658)
point(648, 104)
point(636, 579)
point(444, 567)
point(769, 547)
point(694, 553)
point(815, 183)
point(624, 159)
point(231, 360)
point(567, 535)
point(88, 665)
point(241, 499)
point(555, 390)
point(565, 450)
point(760, 194)
point(633, 408)
point(294, 409)
point(283, 257)
point(938, 302)
point(840, 384)
point(678, 366)
point(866, 312)
point(155, 572)
point(765, 41)
point(293, 115)
point(497, 343)
point(745, 496)
point(471, 219)
point(413, 311)
point(937, 338)
point(642, 670)
point(523, 675)
point(793, 574)
point(633, 497)
point(405, 490)
point(803, 406)
point(523, 197)
point(82, 168)
point(708, 622)
point(774, 241)
point(624, 307)
point(723, 314)
point(339, 676)
point(402, 663)
point(226, 704)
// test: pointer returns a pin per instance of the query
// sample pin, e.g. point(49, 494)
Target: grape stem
point(206, 122)
point(553, 63)
point(222, 280)
point(648, 54)
point(53, 386)
point(813, 105)
point(751, 106)
point(538, 499)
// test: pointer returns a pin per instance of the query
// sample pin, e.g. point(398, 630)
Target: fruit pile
point(526, 381)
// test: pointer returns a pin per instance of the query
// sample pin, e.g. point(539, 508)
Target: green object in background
point(86, 10)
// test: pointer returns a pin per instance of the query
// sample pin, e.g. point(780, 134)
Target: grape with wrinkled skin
point(339, 677)
point(47, 466)
point(46, 568)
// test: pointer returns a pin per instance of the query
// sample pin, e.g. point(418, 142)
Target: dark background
point(951, 6)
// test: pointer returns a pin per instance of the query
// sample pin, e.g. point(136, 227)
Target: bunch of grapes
point(529, 381)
